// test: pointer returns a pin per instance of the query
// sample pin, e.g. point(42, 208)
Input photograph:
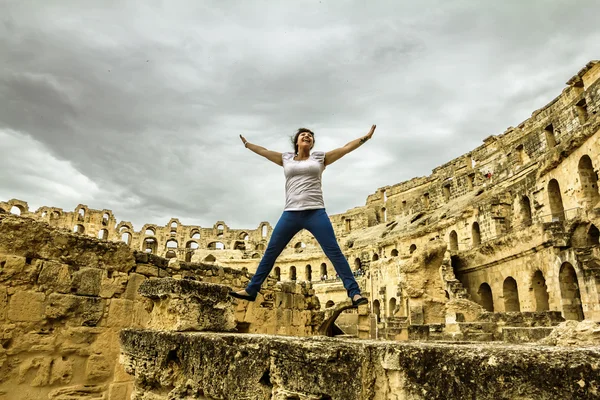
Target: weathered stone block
point(55, 276)
point(3, 302)
point(113, 285)
point(98, 368)
point(120, 313)
point(26, 306)
point(147, 270)
point(77, 310)
point(189, 305)
point(133, 284)
point(120, 391)
point(87, 281)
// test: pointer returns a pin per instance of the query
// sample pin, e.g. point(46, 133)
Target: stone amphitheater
point(483, 281)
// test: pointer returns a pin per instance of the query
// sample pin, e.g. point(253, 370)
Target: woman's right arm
point(268, 154)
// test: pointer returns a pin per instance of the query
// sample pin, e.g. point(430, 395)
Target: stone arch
point(216, 246)
point(292, 274)
point(277, 273)
point(264, 230)
point(149, 245)
point(475, 234)
point(588, 179)
point(126, 238)
point(323, 269)
point(105, 218)
point(392, 307)
point(239, 245)
point(103, 234)
point(243, 236)
point(593, 236)
point(171, 254)
point(383, 214)
point(188, 256)
point(486, 300)
point(453, 240)
point(555, 200)
point(260, 247)
point(308, 272)
point(195, 234)
point(81, 214)
point(16, 210)
point(525, 206)
point(329, 304)
point(210, 258)
point(255, 255)
point(569, 292)
point(79, 229)
point(394, 253)
point(510, 293)
point(192, 244)
point(150, 231)
point(357, 264)
point(540, 291)
point(172, 244)
point(375, 257)
point(377, 309)
point(299, 245)
point(412, 248)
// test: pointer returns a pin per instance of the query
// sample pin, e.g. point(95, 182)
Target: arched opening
point(173, 232)
point(260, 247)
point(323, 270)
point(126, 237)
point(174, 224)
point(329, 304)
point(255, 255)
point(150, 232)
point(78, 229)
point(216, 246)
point(299, 245)
point(149, 245)
point(540, 291)
point(171, 244)
point(15, 210)
point(384, 214)
point(191, 245)
point(394, 253)
point(376, 310)
point(239, 245)
point(375, 257)
point(485, 297)
point(277, 273)
point(292, 273)
point(243, 236)
point(511, 295)
point(555, 200)
point(453, 240)
point(550, 139)
point(392, 307)
point(588, 180)
point(357, 264)
point(308, 272)
point(412, 248)
point(188, 256)
point(81, 214)
point(264, 231)
point(569, 292)
point(476, 234)
point(171, 254)
point(526, 216)
point(210, 258)
point(195, 234)
point(105, 218)
point(593, 236)
point(102, 234)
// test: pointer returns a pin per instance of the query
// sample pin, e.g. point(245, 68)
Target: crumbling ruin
point(499, 246)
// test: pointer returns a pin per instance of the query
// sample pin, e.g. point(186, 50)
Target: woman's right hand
point(243, 140)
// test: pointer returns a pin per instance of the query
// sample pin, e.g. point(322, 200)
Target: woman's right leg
point(287, 226)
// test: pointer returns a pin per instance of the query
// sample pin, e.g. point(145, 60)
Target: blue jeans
point(316, 222)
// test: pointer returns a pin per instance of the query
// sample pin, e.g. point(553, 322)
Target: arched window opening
point(485, 297)
point(195, 235)
point(426, 200)
point(550, 138)
point(103, 234)
point(216, 246)
point(239, 245)
point(376, 310)
point(79, 229)
point(329, 304)
point(569, 291)
point(264, 231)
point(126, 238)
point(511, 295)
point(260, 247)
point(171, 254)
point(174, 224)
point(582, 111)
point(150, 232)
point(521, 156)
point(299, 245)
point(171, 244)
point(540, 291)
point(593, 236)
point(357, 264)
point(555, 200)
point(292, 273)
point(385, 196)
point(588, 180)
point(255, 255)
point(220, 227)
point(308, 272)
point(375, 257)
point(323, 270)
point(210, 258)
point(453, 240)
point(446, 192)
point(526, 215)
point(105, 218)
point(394, 253)
point(243, 236)
point(15, 210)
point(384, 214)
point(392, 307)
point(476, 234)
point(81, 214)
point(44, 214)
point(188, 256)
point(192, 245)
point(412, 248)
point(150, 245)
point(173, 232)
point(277, 273)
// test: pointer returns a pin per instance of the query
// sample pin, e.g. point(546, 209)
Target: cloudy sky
point(137, 106)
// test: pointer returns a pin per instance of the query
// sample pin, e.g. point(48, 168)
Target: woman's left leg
point(319, 225)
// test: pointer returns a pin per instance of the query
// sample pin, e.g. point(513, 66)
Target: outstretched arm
point(261, 151)
point(334, 155)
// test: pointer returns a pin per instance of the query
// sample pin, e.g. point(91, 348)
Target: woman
point(304, 209)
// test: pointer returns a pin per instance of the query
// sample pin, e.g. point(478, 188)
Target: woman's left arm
point(334, 155)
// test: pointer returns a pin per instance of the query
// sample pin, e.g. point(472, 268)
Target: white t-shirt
point(303, 181)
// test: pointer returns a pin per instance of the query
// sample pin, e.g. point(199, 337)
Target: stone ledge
point(233, 366)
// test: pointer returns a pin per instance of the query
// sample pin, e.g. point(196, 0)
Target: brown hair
point(295, 138)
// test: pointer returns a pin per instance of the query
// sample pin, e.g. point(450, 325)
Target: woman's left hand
point(371, 132)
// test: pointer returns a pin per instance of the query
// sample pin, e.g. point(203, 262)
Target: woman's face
point(305, 139)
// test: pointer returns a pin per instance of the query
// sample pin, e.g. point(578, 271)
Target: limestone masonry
point(483, 280)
